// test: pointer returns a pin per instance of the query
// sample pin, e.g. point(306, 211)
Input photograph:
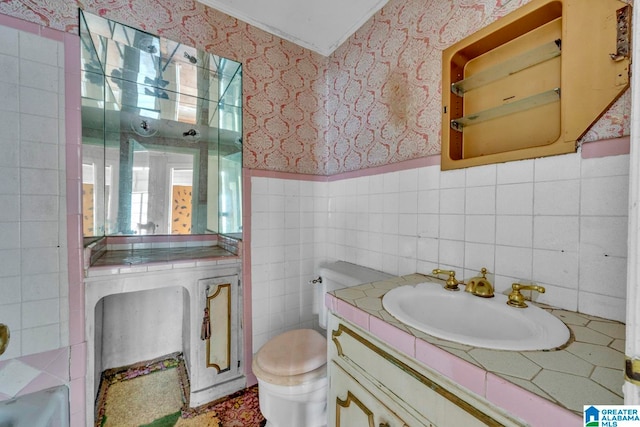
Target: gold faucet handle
point(451, 284)
point(516, 299)
point(521, 287)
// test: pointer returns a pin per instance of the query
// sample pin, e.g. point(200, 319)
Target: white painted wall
point(142, 325)
point(557, 221)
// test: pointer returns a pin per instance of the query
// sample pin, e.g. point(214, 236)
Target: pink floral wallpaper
point(283, 84)
point(374, 101)
point(384, 83)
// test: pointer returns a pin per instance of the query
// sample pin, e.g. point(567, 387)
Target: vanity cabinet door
point(350, 404)
point(215, 355)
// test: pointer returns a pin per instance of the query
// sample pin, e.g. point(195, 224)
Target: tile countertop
point(147, 260)
point(148, 256)
point(536, 386)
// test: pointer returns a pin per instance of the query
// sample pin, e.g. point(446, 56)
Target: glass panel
point(93, 123)
point(230, 156)
point(506, 109)
point(155, 128)
point(513, 65)
point(231, 80)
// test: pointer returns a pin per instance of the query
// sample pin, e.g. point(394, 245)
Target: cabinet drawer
point(426, 395)
point(350, 404)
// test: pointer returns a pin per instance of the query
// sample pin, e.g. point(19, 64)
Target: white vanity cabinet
point(145, 312)
point(373, 385)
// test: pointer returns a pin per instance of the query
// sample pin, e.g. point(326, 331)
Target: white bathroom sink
point(479, 322)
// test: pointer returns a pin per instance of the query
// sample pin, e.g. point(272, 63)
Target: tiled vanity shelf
point(533, 82)
point(107, 255)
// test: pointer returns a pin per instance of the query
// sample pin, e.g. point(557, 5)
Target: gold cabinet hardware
point(516, 299)
point(480, 286)
point(451, 284)
point(632, 370)
point(623, 40)
point(4, 337)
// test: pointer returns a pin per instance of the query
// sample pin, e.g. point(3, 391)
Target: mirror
point(161, 135)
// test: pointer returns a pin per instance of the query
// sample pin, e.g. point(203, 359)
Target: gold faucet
point(480, 286)
point(516, 299)
point(451, 284)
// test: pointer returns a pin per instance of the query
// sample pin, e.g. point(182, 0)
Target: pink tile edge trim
point(353, 314)
point(78, 361)
point(330, 302)
point(394, 167)
point(19, 24)
point(451, 366)
point(606, 147)
point(73, 154)
point(526, 405)
point(77, 397)
point(594, 149)
point(119, 240)
point(40, 361)
point(244, 250)
point(41, 382)
point(398, 338)
point(31, 27)
point(282, 175)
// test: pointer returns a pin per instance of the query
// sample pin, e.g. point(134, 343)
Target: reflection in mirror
point(162, 135)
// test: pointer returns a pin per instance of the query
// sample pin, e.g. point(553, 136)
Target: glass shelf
point(528, 103)
point(525, 60)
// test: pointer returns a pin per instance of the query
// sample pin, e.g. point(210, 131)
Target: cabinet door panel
point(350, 404)
point(217, 356)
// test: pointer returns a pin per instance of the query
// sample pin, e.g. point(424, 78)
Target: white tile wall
point(288, 231)
point(558, 221)
point(32, 195)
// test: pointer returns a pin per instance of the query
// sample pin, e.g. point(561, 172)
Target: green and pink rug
point(155, 394)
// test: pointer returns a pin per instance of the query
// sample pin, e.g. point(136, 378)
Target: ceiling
point(321, 26)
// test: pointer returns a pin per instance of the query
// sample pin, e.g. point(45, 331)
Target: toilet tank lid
point(348, 274)
point(293, 353)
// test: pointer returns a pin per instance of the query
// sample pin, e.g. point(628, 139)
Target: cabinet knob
point(385, 425)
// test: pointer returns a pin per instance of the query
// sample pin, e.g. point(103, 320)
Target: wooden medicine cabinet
point(532, 83)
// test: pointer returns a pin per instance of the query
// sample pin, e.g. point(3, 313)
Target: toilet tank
point(341, 274)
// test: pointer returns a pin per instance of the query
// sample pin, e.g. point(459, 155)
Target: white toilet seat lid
point(293, 353)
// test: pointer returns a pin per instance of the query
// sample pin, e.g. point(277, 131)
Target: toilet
point(292, 367)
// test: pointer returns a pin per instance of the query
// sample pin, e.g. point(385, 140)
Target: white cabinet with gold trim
point(352, 405)
point(372, 384)
point(143, 313)
point(216, 357)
